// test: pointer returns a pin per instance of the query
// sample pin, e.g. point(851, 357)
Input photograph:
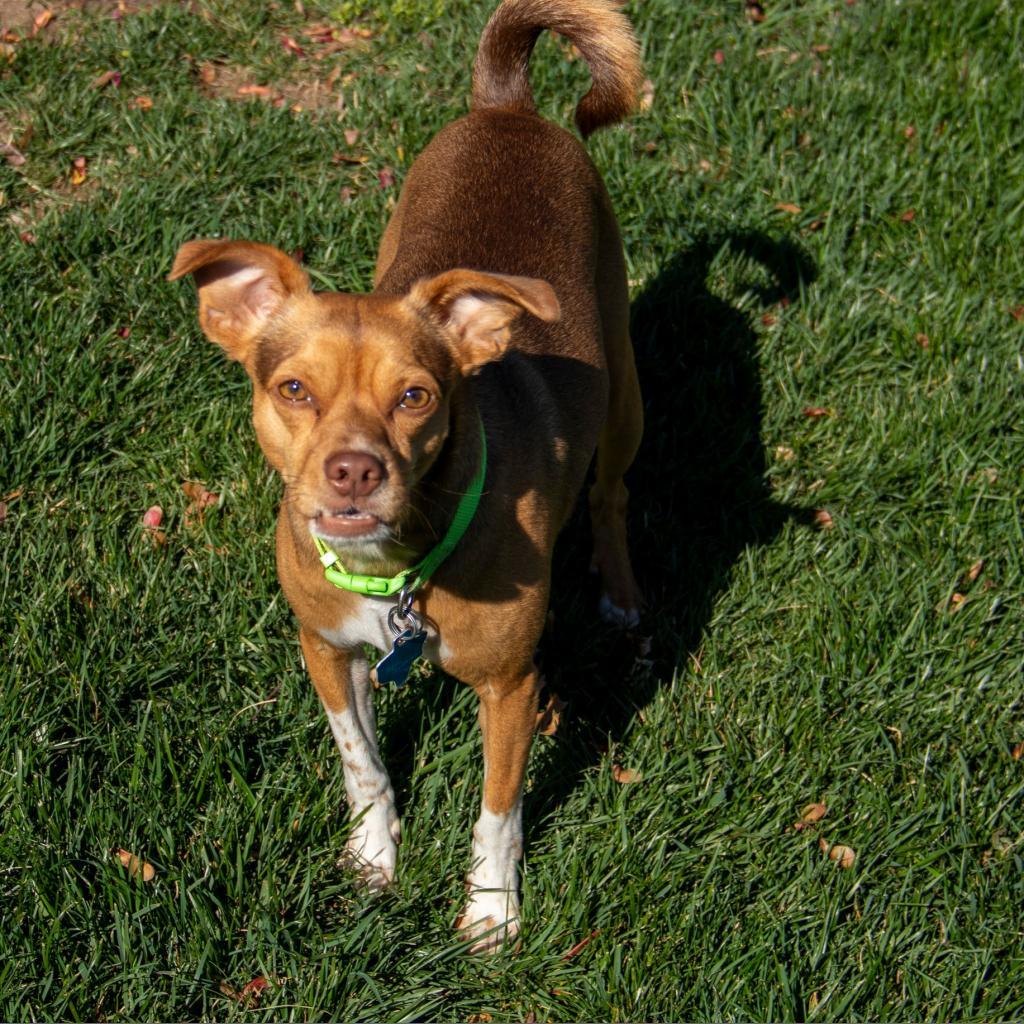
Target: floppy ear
point(477, 309)
point(242, 285)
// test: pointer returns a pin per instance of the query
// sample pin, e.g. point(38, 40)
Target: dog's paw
point(372, 848)
point(490, 920)
point(610, 612)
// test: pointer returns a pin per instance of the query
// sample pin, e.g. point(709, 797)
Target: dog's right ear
point(242, 286)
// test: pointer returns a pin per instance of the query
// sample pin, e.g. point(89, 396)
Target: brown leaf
point(479, 1018)
point(816, 412)
point(809, 816)
point(769, 319)
point(292, 47)
point(11, 153)
point(783, 453)
point(386, 177)
point(27, 237)
point(550, 716)
point(788, 208)
point(719, 56)
point(136, 865)
point(956, 602)
point(107, 78)
point(844, 856)
point(646, 96)
point(581, 945)
point(823, 519)
point(626, 776)
point(199, 500)
point(816, 225)
point(345, 158)
point(908, 215)
point(42, 19)
point(208, 72)
point(909, 132)
point(262, 92)
point(975, 570)
point(1018, 751)
point(755, 12)
point(812, 1002)
point(351, 136)
point(923, 340)
point(141, 103)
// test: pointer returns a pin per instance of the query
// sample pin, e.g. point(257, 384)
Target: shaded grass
point(153, 698)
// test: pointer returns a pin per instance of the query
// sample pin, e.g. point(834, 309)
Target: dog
point(434, 434)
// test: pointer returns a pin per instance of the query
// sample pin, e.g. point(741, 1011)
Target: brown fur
point(532, 339)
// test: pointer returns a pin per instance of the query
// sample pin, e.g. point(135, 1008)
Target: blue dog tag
point(406, 648)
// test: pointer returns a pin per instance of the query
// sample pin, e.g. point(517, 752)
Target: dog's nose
point(354, 474)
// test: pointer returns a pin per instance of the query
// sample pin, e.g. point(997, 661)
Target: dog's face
point(352, 393)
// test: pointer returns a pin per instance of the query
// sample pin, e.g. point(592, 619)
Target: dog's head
point(352, 394)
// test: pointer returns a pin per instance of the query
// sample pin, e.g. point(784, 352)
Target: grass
point(826, 215)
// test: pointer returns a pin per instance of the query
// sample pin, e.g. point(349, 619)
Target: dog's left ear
point(476, 309)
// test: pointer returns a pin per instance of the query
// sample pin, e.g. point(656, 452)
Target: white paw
point(616, 616)
point(372, 847)
point(490, 920)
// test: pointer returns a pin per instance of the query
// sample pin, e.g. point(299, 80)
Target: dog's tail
point(598, 29)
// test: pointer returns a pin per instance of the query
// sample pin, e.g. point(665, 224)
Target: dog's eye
point(415, 398)
point(293, 391)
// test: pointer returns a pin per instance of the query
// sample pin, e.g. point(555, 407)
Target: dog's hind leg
point(620, 437)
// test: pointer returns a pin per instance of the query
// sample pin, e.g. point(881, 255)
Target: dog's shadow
point(698, 499)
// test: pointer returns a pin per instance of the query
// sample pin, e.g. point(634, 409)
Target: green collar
point(383, 586)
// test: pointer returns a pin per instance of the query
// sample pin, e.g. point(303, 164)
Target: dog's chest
point(367, 623)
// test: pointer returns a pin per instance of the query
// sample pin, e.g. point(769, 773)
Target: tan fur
point(500, 291)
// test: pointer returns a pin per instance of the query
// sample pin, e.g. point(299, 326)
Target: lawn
point(822, 205)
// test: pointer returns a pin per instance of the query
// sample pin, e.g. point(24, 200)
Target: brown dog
point(495, 344)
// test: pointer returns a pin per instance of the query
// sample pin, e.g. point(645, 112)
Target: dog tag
point(406, 648)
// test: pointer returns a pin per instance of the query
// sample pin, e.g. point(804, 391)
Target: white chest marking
point(368, 624)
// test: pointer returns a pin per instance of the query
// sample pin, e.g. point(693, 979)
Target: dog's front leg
point(342, 679)
point(508, 716)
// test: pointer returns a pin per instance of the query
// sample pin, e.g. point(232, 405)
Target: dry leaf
point(199, 500)
point(844, 856)
point(816, 412)
point(136, 865)
point(626, 776)
point(923, 340)
point(581, 945)
point(262, 92)
point(909, 132)
point(292, 47)
point(208, 72)
point(351, 136)
point(479, 1018)
point(812, 1002)
point(755, 12)
point(719, 57)
point(816, 225)
point(42, 19)
point(956, 602)
point(788, 208)
point(107, 78)
point(813, 812)
point(550, 716)
point(646, 95)
point(79, 170)
point(386, 177)
point(1018, 751)
point(345, 158)
point(823, 519)
point(975, 570)
point(783, 453)
point(27, 237)
point(141, 103)
point(11, 153)
point(908, 215)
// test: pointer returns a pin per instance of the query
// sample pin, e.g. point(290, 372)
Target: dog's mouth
point(348, 522)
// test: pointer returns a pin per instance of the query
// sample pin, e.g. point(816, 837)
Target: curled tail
point(598, 29)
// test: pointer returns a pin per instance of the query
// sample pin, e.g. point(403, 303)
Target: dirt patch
point(227, 81)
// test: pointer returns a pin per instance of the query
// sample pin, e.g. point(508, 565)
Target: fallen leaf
point(755, 12)
point(136, 865)
point(141, 103)
point(821, 48)
point(816, 225)
point(1018, 751)
point(42, 19)
point(908, 215)
point(208, 72)
point(923, 340)
point(956, 602)
point(788, 208)
point(345, 158)
point(581, 945)
point(252, 990)
point(479, 1018)
point(769, 319)
point(844, 856)
point(351, 136)
point(79, 171)
point(550, 716)
point(783, 453)
point(386, 177)
point(199, 500)
point(810, 815)
point(292, 47)
point(626, 776)
point(823, 519)
point(262, 92)
point(812, 1002)
point(27, 237)
point(816, 412)
point(107, 78)
point(909, 132)
point(719, 57)
point(124, 332)
point(975, 570)
point(11, 153)
point(646, 95)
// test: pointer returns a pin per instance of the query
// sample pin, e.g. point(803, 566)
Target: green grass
point(153, 699)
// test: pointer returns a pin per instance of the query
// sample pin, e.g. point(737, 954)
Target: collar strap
point(384, 586)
